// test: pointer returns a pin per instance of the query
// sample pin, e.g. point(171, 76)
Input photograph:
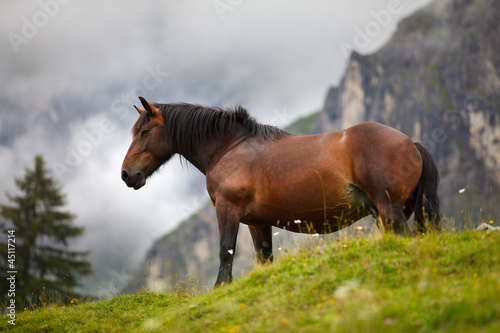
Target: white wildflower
point(230, 251)
point(297, 221)
point(461, 191)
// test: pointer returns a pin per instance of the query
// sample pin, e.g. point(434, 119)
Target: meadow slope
point(437, 283)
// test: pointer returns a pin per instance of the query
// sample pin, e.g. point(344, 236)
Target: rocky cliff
point(438, 81)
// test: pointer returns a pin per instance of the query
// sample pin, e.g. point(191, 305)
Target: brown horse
point(264, 177)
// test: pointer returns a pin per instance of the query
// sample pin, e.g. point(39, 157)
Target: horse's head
point(149, 148)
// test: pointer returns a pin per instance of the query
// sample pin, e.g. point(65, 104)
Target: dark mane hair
point(188, 125)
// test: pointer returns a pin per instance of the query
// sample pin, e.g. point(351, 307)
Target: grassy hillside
point(447, 283)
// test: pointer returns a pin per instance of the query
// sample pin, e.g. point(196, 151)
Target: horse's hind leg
point(263, 242)
point(392, 218)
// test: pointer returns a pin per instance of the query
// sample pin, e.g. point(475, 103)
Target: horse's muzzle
point(136, 180)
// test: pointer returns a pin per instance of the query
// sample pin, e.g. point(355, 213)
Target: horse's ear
point(139, 110)
point(150, 108)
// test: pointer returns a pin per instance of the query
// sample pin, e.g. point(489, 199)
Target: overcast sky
point(70, 71)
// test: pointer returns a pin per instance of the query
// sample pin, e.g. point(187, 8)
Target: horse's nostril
point(124, 174)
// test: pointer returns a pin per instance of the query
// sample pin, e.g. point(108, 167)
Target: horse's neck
point(212, 150)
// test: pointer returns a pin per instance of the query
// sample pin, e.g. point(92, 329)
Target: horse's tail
point(427, 215)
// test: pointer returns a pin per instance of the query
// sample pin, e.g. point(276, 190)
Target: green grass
point(437, 283)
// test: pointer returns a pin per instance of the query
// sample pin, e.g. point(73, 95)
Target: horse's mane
point(187, 126)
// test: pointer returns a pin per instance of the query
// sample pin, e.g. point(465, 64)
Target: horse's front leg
point(228, 217)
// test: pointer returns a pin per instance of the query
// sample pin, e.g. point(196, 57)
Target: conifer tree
point(43, 260)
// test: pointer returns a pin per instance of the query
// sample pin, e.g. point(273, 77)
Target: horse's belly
point(311, 213)
point(317, 221)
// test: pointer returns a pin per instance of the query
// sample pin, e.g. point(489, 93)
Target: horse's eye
point(144, 133)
